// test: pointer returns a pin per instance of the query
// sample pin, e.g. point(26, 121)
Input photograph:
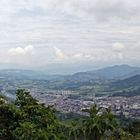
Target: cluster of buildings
point(121, 106)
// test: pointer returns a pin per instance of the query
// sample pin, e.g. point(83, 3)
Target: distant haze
point(66, 36)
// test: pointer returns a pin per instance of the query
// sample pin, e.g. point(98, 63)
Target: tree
point(37, 117)
point(98, 122)
point(26, 119)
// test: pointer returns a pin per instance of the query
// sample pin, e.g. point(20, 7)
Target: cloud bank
point(69, 31)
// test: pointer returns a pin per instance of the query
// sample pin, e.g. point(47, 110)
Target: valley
point(111, 86)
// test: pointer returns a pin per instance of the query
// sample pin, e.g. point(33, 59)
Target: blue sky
point(36, 33)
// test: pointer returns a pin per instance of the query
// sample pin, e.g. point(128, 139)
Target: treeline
point(26, 119)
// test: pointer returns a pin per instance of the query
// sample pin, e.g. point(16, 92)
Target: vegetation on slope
point(26, 119)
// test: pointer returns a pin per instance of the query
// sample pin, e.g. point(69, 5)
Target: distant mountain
point(86, 76)
point(101, 76)
point(96, 76)
point(117, 72)
point(133, 81)
point(26, 74)
point(18, 73)
point(118, 76)
point(114, 72)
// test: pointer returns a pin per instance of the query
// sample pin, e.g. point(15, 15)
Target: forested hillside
point(26, 119)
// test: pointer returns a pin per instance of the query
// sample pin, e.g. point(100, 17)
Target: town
point(63, 101)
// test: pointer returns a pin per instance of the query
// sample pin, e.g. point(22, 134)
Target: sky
point(36, 33)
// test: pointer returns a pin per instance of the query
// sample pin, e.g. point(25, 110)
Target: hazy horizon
point(68, 69)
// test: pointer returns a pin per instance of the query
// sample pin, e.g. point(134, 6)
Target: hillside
point(101, 76)
point(133, 81)
point(117, 71)
point(116, 76)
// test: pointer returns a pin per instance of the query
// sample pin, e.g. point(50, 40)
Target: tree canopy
point(27, 119)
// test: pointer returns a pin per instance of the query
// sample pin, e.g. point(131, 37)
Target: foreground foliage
point(26, 119)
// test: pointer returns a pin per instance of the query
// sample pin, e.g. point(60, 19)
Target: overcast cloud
point(40, 32)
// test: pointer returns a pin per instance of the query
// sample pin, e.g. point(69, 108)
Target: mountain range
point(116, 79)
point(116, 72)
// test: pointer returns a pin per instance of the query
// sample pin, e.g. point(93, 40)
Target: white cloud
point(118, 46)
point(59, 53)
point(21, 51)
